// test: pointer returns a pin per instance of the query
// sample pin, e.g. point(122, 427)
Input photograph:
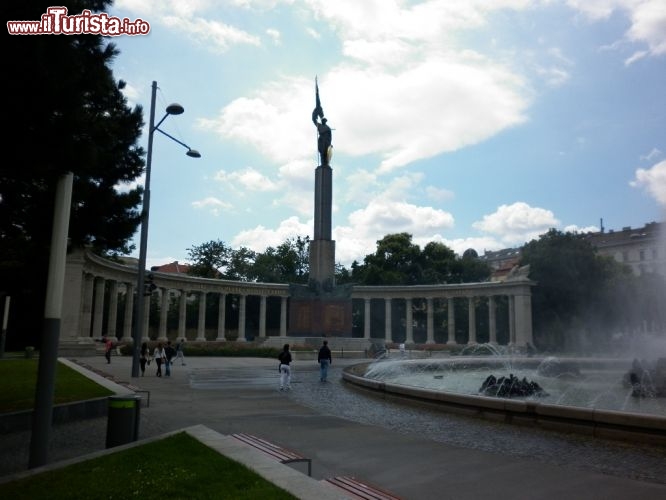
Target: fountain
point(597, 396)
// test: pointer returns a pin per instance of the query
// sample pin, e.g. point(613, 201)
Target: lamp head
point(193, 153)
point(175, 109)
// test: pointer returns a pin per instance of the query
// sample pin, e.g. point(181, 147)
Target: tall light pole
point(137, 330)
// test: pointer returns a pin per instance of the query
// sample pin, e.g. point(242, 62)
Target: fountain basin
point(645, 423)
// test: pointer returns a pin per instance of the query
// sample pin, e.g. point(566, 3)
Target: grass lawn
point(19, 378)
point(175, 467)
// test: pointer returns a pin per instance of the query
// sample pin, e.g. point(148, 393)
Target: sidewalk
point(232, 395)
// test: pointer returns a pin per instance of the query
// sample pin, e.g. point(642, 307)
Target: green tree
point(395, 262)
point(573, 285)
point(209, 260)
point(287, 263)
point(398, 261)
point(66, 113)
point(241, 265)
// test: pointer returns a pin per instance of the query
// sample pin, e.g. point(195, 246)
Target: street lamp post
point(137, 330)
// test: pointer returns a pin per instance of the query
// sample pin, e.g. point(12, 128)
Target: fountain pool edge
point(608, 424)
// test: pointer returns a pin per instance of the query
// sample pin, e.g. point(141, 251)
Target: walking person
point(285, 369)
point(160, 357)
point(324, 359)
point(169, 353)
point(108, 346)
point(179, 352)
point(144, 358)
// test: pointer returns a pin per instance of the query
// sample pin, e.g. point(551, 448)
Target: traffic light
point(149, 286)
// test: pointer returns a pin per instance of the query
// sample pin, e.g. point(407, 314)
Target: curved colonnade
point(97, 288)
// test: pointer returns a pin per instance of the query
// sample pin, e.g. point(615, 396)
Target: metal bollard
point(123, 420)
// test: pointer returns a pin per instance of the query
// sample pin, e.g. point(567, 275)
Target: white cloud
point(274, 35)
point(248, 178)
point(653, 180)
point(517, 223)
point(260, 238)
point(647, 22)
point(652, 155)
point(439, 195)
point(213, 35)
point(212, 204)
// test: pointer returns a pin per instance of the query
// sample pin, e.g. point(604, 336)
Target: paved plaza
point(413, 452)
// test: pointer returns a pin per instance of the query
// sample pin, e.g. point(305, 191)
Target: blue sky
point(477, 123)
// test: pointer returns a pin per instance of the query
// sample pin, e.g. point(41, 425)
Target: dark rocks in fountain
point(647, 380)
point(511, 386)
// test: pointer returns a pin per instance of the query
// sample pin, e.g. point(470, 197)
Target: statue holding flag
point(324, 131)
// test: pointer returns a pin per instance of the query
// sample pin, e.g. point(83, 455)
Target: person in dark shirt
point(285, 369)
point(324, 359)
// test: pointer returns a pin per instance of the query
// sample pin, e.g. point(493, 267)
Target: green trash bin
point(123, 420)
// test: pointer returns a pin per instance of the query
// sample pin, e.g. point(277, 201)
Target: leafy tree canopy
point(64, 112)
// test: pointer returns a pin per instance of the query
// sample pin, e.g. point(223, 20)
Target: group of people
point(324, 359)
point(163, 355)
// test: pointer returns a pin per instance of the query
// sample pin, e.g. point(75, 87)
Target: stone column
point(113, 310)
point(182, 315)
point(99, 307)
point(72, 304)
point(129, 311)
point(366, 319)
point(523, 317)
point(262, 316)
point(322, 248)
point(387, 320)
point(201, 324)
point(430, 326)
point(283, 316)
point(241, 319)
point(451, 322)
point(86, 306)
point(409, 322)
point(512, 320)
point(164, 310)
point(492, 320)
point(146, 318)
point(221, 317)
point(471, 308)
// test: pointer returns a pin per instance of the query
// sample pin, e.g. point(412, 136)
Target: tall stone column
point(262, 316)
point(322, 248)
point(72, 304)
point(201, 323)
point(430, 326)
point(182, 315)
point(99, 307)
point(523, 317)
point(471, 339)
point(366, 319)
point(221, 317)
point(409, 322)
point(164, 311)
point(283, 316)
point(451, 322)
point(129, 311)
point(492, 320)
point(512, 320)
point(113, 310)
point(86, 307)
point(146, 318)
point(241, 319)
point(387, 320)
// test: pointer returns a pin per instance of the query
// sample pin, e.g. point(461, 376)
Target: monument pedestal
point(314, 312)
